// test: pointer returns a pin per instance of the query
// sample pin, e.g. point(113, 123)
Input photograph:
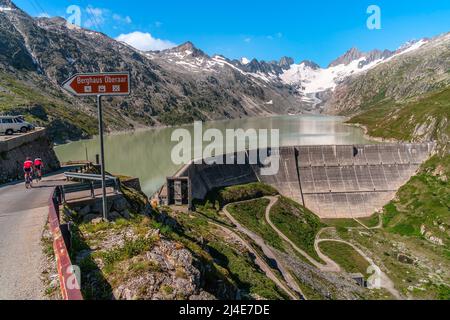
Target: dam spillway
point(342, 181)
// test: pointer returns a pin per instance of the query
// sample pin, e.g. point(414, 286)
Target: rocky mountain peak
point(286, 62)
point(310, 64)
point(7, 4)
point(187, 48)
point(375, 55)
point(57, 21)
point(351, 55)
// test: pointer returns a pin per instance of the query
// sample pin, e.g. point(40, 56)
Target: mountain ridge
point(172, 86)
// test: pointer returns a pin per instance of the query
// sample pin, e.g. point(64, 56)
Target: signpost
point(99, 84)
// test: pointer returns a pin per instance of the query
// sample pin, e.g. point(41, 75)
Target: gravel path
point(330, 266)
point(258, 260)
point(265, 248)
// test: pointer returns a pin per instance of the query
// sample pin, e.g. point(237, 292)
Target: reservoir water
point(147, 153)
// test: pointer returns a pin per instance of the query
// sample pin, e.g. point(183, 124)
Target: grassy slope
point(224, 262)
point(251, 215)
point(423, 201)
point(386, 119)
point(420, 214)
point(238, 193)
point(17, 95)
point(299, 224)
point(344, 255)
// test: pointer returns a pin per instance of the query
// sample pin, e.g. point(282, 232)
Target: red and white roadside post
point(99, 84)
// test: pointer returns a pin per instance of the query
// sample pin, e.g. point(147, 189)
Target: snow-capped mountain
point(172, 86)
point(311, 83)
point(311, 80)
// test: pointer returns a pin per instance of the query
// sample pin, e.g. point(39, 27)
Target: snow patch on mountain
point(318, 80)
point(245, 61)
point(311, 80)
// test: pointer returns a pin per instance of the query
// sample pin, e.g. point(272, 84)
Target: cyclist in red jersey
point(28, 170)
point(38, 166)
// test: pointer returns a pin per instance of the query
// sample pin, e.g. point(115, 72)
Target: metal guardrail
point(69, 285)
point(87, 176)
point(89, 182)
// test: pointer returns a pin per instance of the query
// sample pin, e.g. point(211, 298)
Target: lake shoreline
point(161, 127)
point(146, 152)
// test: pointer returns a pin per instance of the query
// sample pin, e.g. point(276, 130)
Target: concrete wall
point(332, 181)
point(15, 149)
point(356, 181)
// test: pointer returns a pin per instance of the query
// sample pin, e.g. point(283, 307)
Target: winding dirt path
point(386, 282)
point(330, 265)
point(258, 260)
point(378, 226)
point(265, 248)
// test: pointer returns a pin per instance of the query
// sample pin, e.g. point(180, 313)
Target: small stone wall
point(88, 210)
point(14, 151)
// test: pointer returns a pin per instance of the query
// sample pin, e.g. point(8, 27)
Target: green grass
point(309, 292)
point(341, 223)
point(423, 201)
point(370, 222)
point(44, 108)
point(251, 215)
point(386, 119)
point(344, 255)
point(298, 223)
point(130, 249)
point(241, 193)
point(245, 273)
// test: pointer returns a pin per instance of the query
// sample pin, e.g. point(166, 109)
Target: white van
point(11, 124)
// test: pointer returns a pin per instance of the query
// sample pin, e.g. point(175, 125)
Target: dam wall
point(206, 177)
point(332, 181)
point(356, 181)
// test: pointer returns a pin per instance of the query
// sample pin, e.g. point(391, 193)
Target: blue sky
point(315, 30)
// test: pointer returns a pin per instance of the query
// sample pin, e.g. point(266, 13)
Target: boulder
point(120, 204)
point(84, 211)
point(405, 259)
point(114, 215)
point(90, 217)
point(126, 214)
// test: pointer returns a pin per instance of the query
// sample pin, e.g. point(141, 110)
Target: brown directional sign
point(95, 84)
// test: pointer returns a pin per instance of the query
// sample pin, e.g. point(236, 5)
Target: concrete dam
point(332, 181)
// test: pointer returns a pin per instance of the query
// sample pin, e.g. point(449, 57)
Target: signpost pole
point(102, 156)
point(99, 85)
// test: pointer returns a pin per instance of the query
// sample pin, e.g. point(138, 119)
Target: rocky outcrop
point(137, 256)
point(177, 277)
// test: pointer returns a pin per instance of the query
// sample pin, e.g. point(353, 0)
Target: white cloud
point(119, 18)
point(96, 16)
point(145, 41)
point(248, 40)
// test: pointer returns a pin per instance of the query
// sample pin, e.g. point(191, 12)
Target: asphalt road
point(23, 215)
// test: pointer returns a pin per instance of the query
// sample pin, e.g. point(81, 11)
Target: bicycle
point(28, 180)
point(38, 174)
